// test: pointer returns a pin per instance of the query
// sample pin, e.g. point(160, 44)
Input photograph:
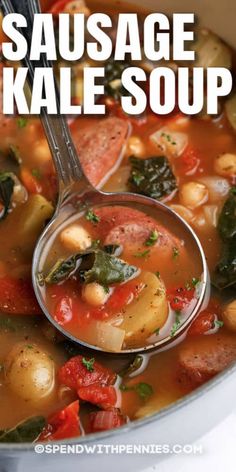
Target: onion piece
point(218, 188)
point(104, 335)
point(171, 142)
point(211, 213)
point(211, 51)
point(184, 212)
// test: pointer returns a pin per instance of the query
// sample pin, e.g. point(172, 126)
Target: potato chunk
point(147, 312)
point(30, 372)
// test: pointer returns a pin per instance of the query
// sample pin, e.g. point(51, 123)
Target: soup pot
point(189, 418)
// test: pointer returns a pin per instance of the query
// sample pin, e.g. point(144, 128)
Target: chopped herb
point(142, 254)
point(22, 122)
point(36, 173)
point(176, 324)
point(195, 281)
point(168, 138)
point(193, 284)
point(91, 216)
point(175, 252)
point(152, 177)
point(218, 324)
point(143, 389)
point(154, 235)
point(158, 274)
point(6, 190)
point(88, 363)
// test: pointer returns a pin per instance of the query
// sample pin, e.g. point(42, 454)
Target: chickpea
point(95, 294)
point(184, 212)
point(225, 165)
point(193, 194)
point(41, 152)
point(135, 147)
point(75, 238)
point(30, 372)
point(229, 315)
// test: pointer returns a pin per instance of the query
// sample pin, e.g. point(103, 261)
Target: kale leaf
point(112, 83)
point(225, 272)
point(227, 219)
point(63, 269)
point(93, 265)
point(152, 177)
point(6, 191)
point(27, 431)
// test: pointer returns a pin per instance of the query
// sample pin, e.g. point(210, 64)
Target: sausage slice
point(204, 357)
point(100, 147)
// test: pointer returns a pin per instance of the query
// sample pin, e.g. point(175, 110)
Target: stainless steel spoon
point(76, 194)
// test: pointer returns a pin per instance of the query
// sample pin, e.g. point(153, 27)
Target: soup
point(100, 279)
point(188, 163)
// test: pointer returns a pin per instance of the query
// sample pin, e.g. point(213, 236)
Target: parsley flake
point(142, 254)
point(22, 122)
point(154, 235)
point(91, 216)
point(218, 324)
point(88, 363)
point(176, 324)
point(143, 389)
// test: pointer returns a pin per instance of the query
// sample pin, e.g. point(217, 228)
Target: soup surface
point(189, 164)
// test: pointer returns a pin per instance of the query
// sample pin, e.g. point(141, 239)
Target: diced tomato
point(179, 298)
point(123, 295)
point(189, 161)
point(30, 182)
point(75, 374)
point(63, 424)
point(63, 311)
point(17, 297)
point(105, 420)
point(100, 395)
point(203, 323)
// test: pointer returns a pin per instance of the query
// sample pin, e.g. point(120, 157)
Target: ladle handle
point(59, 138)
